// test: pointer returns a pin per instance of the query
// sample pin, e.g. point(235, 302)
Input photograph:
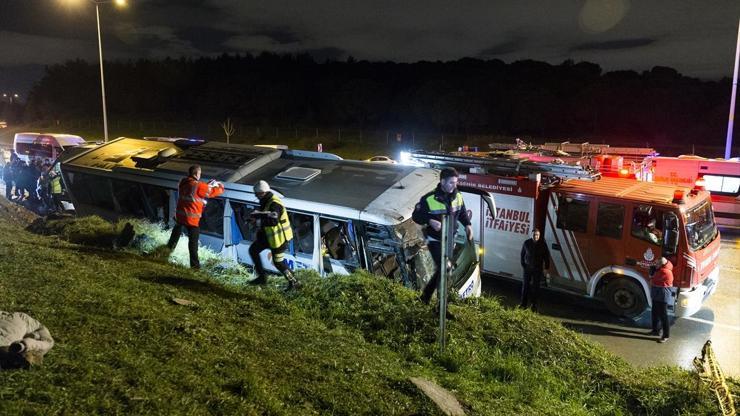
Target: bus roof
point(379, 193)
point(634, 190)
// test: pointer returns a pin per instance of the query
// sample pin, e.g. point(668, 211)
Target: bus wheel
point(624, 297)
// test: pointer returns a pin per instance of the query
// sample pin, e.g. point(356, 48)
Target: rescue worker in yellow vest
point(55, 187)
point(428, 212)
point(274, 233)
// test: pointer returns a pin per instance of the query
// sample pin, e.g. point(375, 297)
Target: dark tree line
point(466, 96)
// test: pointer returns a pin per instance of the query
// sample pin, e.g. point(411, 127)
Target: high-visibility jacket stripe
point(191, 200)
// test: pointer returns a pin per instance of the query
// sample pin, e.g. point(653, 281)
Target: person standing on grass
point(55, 189)
point(274, 233)
point(445, 199)
point(23, 341)
point(661, 295)
point(535, 259)
point(192, 195)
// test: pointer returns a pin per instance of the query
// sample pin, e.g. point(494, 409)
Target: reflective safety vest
point(191, 199)
point(437, 208)
point(56, 184)
point(279, 234)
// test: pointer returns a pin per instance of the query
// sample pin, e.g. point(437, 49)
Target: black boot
point(292, 282)
point(260, 280)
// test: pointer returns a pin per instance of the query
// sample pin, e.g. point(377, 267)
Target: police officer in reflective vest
point(444, 199)
point(274, 233)
point(55, 187)
point(192, 194)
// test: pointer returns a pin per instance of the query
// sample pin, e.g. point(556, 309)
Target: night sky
point(695, 37)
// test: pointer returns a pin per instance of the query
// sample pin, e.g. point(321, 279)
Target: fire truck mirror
point(670, 227)
point(671, 242)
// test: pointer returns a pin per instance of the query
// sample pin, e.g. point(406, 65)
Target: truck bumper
point(689, 301)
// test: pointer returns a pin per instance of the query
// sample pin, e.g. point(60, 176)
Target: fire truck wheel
point(624, 297)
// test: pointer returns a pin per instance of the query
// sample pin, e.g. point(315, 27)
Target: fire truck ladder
point(504, 166)
point(576, 149)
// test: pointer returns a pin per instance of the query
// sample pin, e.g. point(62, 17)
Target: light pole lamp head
point(120, 3)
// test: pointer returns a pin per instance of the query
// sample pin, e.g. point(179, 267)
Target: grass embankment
point(343, 345)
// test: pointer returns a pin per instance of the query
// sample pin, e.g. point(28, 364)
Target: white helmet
point(261, 186)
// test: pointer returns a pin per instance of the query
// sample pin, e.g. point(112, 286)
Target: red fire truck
point(603, 233)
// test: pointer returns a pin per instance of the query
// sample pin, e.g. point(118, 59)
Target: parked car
point(381, 159)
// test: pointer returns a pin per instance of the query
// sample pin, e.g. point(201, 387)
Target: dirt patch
point(15, 212)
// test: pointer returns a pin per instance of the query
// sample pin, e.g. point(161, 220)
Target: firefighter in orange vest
point(274, 233)
point(190, 204)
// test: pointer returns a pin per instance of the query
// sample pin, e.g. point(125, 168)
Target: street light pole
point(731, 119)
point(102, 78)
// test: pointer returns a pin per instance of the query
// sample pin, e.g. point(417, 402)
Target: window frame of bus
point(344, 229)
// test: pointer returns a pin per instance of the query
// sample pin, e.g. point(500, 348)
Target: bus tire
point(624, 297)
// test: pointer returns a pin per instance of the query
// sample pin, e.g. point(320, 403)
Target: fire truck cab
point(603, 234)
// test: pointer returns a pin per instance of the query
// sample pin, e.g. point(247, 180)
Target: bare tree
point(229, 129)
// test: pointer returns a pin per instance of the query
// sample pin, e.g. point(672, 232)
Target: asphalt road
point(718, 320)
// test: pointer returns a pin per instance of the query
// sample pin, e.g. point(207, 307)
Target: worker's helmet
point(261, 186)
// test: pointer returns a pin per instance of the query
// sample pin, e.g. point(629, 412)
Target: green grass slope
point(341, 345)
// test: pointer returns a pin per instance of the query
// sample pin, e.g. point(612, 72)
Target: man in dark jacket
point(661, 295)
point(445, 199)
point(535, 259)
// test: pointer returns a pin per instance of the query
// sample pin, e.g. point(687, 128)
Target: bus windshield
point(420, 265)
point(700, 226)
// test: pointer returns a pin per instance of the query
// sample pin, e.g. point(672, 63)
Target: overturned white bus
point(361, 211)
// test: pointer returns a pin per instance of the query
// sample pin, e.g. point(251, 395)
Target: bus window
point(382, 258)
point(212, 221)
point(241, 214)
point(302, 232)
point(339, 240)
point(92, 190)
point(610, 220)
point(572, 214)
point(647, 224)
point(129, 198)
point(157, 202)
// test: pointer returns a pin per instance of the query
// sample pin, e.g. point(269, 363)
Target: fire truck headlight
point(684, 303)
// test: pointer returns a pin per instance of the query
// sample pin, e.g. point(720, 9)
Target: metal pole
point(102, 78)
point(442, 286)
point(731, 119)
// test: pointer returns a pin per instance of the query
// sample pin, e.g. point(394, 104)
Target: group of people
point(34, 182)
point(271, 219)
point(275, 233)
point(534, 256)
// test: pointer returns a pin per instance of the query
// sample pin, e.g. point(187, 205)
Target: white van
point(43, 145)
